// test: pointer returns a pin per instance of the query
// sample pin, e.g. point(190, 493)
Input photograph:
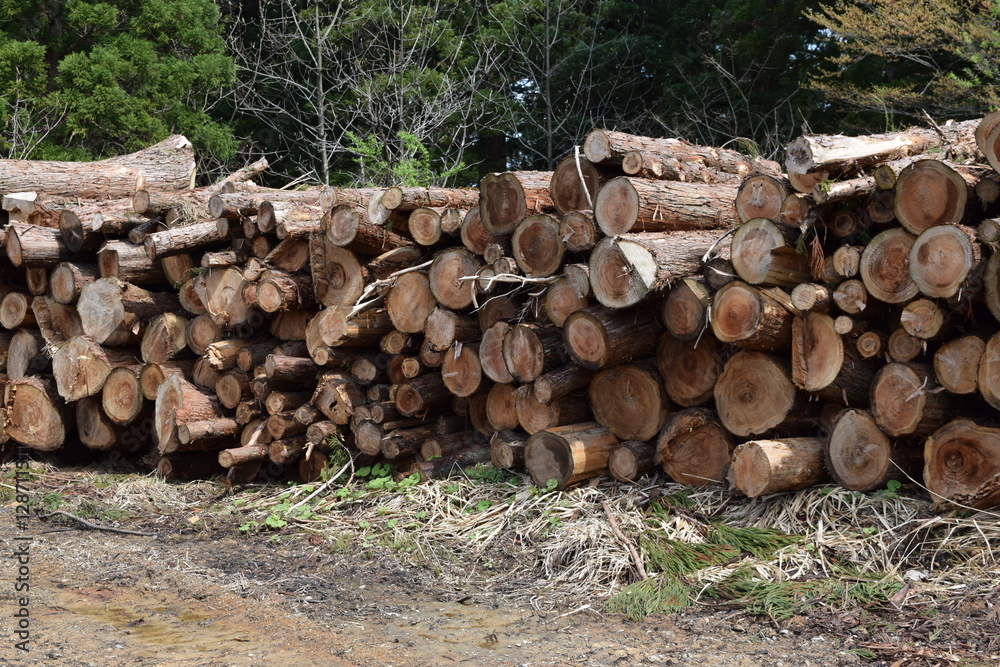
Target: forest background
point(383, 92)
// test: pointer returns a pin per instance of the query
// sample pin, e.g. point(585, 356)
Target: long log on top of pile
point(168, 164)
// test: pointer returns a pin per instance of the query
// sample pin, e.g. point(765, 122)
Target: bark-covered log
point(180, 402)
point(685, 309)
point(755, 394)
point(761, 196)
point(769, 466)
point(904, 400)
point(115, 313)
point(533, 415)
point(627, 204)
point(693, 448)
point(942, 258)
point(538, 246)
point(754, 319)
point(168, 164)
point(626, 269)
point(596, 337)
point(764, 253)
point(568, 454)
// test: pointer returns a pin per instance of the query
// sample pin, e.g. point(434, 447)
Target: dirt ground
point(213, 596)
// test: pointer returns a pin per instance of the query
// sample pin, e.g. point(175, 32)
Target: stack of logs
point(649, 304)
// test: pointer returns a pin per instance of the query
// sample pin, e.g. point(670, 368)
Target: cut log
point(284, 425)
point(233, 387)
point(285, 401)
point(168, 164)
point(761, 196)
point(180, 240)
point(501, 407)
point(575, 183)
point(15, 311)
point(606, 146)
point(180, 402)
point(77, 236)
point(568, 454)
point(237, 456)
point(223, 296)
point(412, 198)
point(961, 465)
point(537, 246)
point(507, 449)
point(578, 230)
point(534, 415)
point(812, 297)
point(165, 338)
point(629, 399)
point(80, 367)
point(631, 460)
point(885, 266)
point(860, 457)
point(505, 199)
point(763, 253)
point(902, 347)
point(35, 415)
point(422, 393)
point(838, 154)
point(871, 344)
point(529, 349)
point(281, 291)
point(755, 393)
point(446, 278)
point(693, 448)
point(929, 193)
point(847, 260)
point(956, 364)
point(410, 301)
point(689, 368)
point(475, 237)
point(26, 354)
point(444, 328)
point(31, 246)
point(988, 375)
point(562, 300)
point(348, 226)
point(903, 400)
point(561, 382)
point(461, 371)
point(823, 365)
point(751, 318)
point(771, 466)
point(152, 376)
point(451, 444)
point(627, 204)
point(128, 262)
point(596, 337)
point(624, 270)
point(685, 309)
point(942, 258)
point(923, 319)
point(68, 278)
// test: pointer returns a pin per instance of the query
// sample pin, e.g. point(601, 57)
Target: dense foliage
point(372, 92)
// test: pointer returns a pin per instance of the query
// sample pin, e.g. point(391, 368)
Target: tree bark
point(128, 262)
point(631, 460)
point(534, 415)
point(507, 449)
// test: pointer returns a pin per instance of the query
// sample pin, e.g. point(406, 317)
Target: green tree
point(902, 57)
point(112, 76)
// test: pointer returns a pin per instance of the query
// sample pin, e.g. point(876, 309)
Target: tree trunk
point(693, 448)
point(624, 270)
point(627, 204)
point(233, 387)
point(505, 199)
point(596, 337)
point(285, 401)
point(451, 444)
point(68, 278)
point(861, 457)
point(561, 381)
point(168, 164)
point(444, 328)
point(34, 246)
point(568, 454)
point(348, 227)
point(772, 466)
point(838, 154)
point(153, 375)
point(475, 237)
point(629, 399)
point(689, 368)
point(631, 460)
point(181, 240)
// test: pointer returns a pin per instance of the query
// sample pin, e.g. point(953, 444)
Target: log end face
point(621, 272)
point(101, 309)
point(799, 156)
point(616, 207)
point(751, 471)
point(502, 204)
point(858, 452)
point(597, 146)
point(548, 457)
point(929, 193)
point(586, 340)
point(897, 399)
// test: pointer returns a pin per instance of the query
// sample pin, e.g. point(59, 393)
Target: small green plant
point(891, 490)
point(483, 472)
point(864, 653)
point(656, 595)
point(249, 527)
point(51, 501)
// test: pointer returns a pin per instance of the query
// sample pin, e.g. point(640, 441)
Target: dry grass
point(522, 542)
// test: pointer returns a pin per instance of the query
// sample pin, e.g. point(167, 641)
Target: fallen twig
point(94, 526)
